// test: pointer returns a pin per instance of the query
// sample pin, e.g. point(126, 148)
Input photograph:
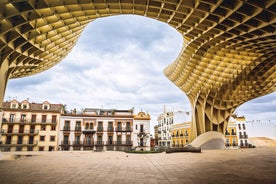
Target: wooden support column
point(4, 76)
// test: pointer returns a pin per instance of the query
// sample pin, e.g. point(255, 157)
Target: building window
point(243, 125)
point(53, 127)
point(33, 118)
point(91, 126)
point(78, 126)
point(52, 138)
point(136, 127)
point(43, 128)
point(42, 138)
point(54, 118)
point(67, 125)
point(13, 105)
point(128, 126)
point(41, 148)
point(23, 117)
point(12, 118)
point(45, 107)
point(44, 118)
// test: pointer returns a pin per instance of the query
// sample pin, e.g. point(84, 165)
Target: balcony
point(99, 143)
point(77, 129)
point(21, 143)
point(123, 143)
point(88, 131)
point(77, 143)
point(15, 121)
point(227, 133)
point(243, 136)
point(100, 129)
point(244, 145)
point(109, 143)
point(28, 121)
point(88, 143)
point(110, 129)
point(124, 129)
point(233, 133)
point(66, 129)
point(18, 132)
point(65, 143)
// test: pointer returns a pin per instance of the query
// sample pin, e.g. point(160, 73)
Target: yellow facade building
point(30, 126)
point(236, 132)
point(180, 134)
point(231, 134)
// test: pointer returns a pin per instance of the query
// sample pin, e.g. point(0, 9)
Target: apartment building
point(180, 134)
point(166, 120)
point(30, 126)
point(141, 132)
point(156, 135)
point(104, 129)
point(236, 132)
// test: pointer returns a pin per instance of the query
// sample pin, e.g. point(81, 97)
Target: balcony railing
point(123, 129)
point(123, 143)
point(99, 143)
point(110, 129)
point(27, 121)
point(100, 129)
point(66, 128)
point(243, 136)
point(110, 143)
point(244, 144)
point(77, 129)
point(65, 142)
point(77, 143)
point(16, 131)
point(23, 143)
point(89, 131)
point(89, 143)
point(233, 144)
point(233, 133)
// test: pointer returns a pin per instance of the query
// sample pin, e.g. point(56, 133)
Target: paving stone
point(212, 166)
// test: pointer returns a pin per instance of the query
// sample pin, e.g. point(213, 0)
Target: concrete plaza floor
point(213, 166)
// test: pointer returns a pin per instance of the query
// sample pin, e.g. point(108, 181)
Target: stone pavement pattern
point(212, 166)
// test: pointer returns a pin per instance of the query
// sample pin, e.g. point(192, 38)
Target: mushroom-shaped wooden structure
point(228, 55)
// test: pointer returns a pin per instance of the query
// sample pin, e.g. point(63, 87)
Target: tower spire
point(164, 109)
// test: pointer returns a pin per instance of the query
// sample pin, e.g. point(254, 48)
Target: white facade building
point(165, 122)
point(141, 132)
point(236, 133)
point(104, 129)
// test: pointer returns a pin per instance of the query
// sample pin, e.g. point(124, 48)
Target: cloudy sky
point(118, 63)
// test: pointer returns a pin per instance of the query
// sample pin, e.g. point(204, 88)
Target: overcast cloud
point(118, 63)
